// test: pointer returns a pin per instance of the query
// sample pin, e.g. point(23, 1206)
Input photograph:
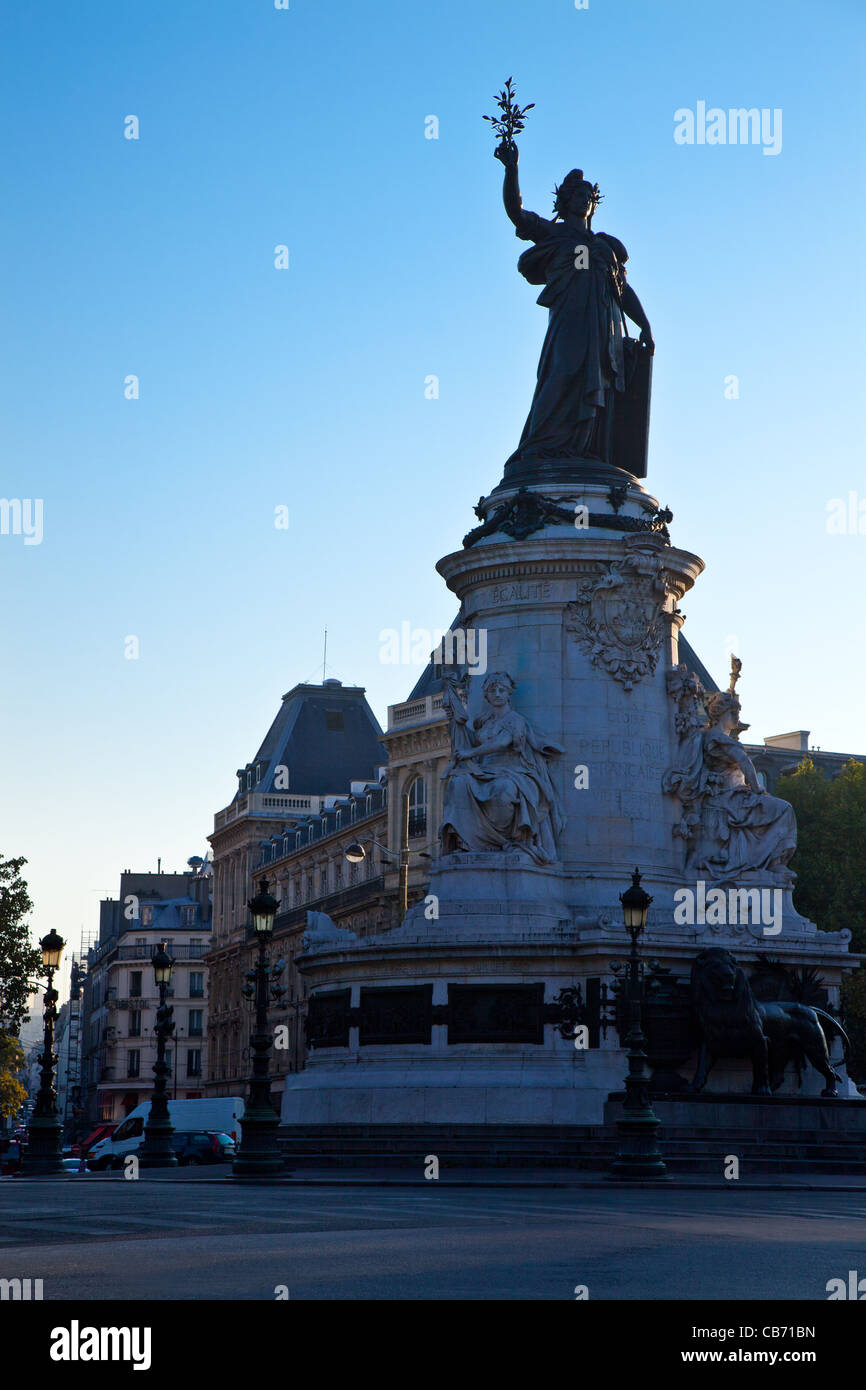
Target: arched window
point(417, 808)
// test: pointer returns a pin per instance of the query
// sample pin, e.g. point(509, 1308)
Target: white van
point(221, 1113)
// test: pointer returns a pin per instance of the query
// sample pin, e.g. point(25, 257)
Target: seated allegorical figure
point(730, 824)
point(498, 790)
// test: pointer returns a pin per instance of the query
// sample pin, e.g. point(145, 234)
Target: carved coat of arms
point(618, 619)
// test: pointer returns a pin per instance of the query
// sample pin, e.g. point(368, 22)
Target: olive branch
point(512, 118)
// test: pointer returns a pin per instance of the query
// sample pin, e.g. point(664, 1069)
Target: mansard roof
point(327, 736)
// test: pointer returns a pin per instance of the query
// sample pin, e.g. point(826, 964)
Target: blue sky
point(305, 388)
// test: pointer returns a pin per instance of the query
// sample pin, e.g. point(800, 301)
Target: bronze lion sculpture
point(734, 1024)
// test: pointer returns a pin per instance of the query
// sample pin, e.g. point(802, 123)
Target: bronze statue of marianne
point(591, 399)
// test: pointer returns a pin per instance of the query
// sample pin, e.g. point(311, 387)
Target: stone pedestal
point(577, 589)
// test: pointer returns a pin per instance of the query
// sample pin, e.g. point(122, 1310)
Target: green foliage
point(831, 866)
point(20, 962)
point(830, 861)
point(12, 1093)
point(854, 1014)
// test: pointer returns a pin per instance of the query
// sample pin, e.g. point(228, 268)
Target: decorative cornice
point(527, 512)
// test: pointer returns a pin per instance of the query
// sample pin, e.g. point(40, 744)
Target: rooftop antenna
point(325, 657)
point(159, 866)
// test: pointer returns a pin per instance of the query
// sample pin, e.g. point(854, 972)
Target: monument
point(586, 747)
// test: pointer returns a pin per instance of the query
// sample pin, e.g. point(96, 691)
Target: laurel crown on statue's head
point(564, 191)
point(498, 678)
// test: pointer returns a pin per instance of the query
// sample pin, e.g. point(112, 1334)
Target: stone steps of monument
point(589, 1148)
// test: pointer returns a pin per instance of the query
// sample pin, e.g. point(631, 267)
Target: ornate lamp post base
point(157, 1150)
point(43, 1153)
point(259, 1155)
point(638, 1155)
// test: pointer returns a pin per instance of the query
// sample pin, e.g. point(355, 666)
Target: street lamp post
point(259, 1154)
point(157, 1151)
point(638, 1154)
point(44, 1134)
point(355, 853)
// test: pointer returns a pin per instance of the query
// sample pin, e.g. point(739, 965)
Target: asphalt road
point(202, 1240)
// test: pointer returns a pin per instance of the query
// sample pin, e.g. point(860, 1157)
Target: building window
point(196, 1017)
point(418, 807)
point(258, 773)
point(135, 1023)
point(196, 984)
point(188, 916)
point(147, 917)
point(193, 1061)
point(135, 984)
point(333, 721)
point(133, 1064)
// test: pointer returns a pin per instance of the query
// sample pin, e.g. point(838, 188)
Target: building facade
point(314, 788)
point(120, 998)
point(67, 1041)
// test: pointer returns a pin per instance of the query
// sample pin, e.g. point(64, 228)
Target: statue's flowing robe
point(734, 830)
point(581, 361)
point(506, 798)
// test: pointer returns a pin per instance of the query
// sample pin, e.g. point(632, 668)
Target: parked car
point(203, 1146)
point(216, 1115)
point(10, 1161)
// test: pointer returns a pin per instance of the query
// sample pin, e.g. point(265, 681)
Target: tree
point(830, 864)
point(19, 961)
point(830, 861)
point(12, 1093)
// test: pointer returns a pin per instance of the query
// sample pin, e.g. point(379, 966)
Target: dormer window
point(249, 781)
point(258, 773)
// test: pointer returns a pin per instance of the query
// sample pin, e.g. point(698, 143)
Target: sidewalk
point(473, 1177)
